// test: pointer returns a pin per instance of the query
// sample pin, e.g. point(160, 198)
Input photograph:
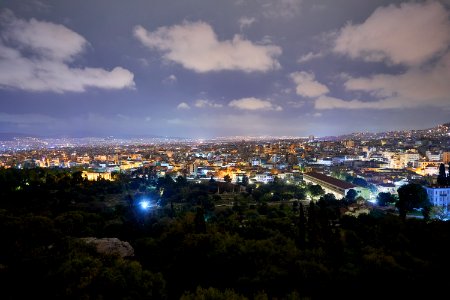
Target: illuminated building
point(446, 157)
point(264, 178)
point(349, 144)
point(97, 175)
point(433, 156)
point(337, 187)
point(439, 196)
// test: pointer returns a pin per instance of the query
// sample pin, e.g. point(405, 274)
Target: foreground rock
point(111, 246)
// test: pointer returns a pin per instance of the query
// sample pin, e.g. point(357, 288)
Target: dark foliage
point(190, 249)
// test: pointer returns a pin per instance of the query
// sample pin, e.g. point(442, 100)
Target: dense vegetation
point(199, 246)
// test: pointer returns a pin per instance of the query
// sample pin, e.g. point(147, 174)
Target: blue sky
point(221, 68)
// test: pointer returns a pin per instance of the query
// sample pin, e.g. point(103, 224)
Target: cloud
point(175, 121)
point(170, 79)
point(195, 46)
point(309, 56)
point(413, 34)
point(183, 105)
point(307, 86)
point(36, 56)
point(325, 102)
point(254, 104)
point(245, 22)
point(281, 9)
point(296, 104)
point(201, 103)
point(416, 87)
point(123, 117)
point(408, 34)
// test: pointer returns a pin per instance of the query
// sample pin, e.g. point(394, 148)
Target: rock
point(111, 246)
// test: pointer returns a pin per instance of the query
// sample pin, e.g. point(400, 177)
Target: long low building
point(337, 187)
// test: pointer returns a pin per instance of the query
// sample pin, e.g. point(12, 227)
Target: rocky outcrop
point(111, 246)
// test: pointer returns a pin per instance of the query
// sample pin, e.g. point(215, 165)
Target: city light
point(145, 204)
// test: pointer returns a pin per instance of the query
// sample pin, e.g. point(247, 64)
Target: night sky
point(222, 68)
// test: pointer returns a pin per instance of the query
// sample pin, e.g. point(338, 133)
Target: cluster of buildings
point(376, 164)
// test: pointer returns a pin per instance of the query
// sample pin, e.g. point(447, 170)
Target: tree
point(442, 179)
point(385, 199)
point(301, 238)
point(360, 181)
point(312, 224)
point(328, 198)
point(439, 212)
point(316, 190)
point(212, 293)
point(349, 178)
point(448, 176)
point(351, 195)
point(412, 196)
point(299, 193)
point(244, 180)
point(199, 221)
point(181, 181)
point(227, 178)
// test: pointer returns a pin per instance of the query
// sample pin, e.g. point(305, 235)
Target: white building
point(264, 178)
point(439, 196)
point(433, 156)
point(387, 188)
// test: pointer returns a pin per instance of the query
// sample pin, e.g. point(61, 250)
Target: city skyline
point(198, 69)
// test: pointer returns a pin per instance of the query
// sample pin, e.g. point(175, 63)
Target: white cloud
point(414, 88)
point(245, 22)
point(183, 105)
point(254, 104)
point(325, 102)
point(417, 87)
point(281, 9)
point(309, 56)
point(409, 34)
point(296, 104)
point(35, 56)
point(201, 103)
point(307, 86)
point(170, 79)
point(196, 47)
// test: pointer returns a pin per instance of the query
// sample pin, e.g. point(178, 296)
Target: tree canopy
point(198, 244)
point(412, 196)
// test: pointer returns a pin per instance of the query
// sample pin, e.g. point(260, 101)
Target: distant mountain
point(9, 136)
point(433, 132)
point(442, 130)
point(330, 138)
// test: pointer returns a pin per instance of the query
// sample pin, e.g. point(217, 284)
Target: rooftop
point(331, 180)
